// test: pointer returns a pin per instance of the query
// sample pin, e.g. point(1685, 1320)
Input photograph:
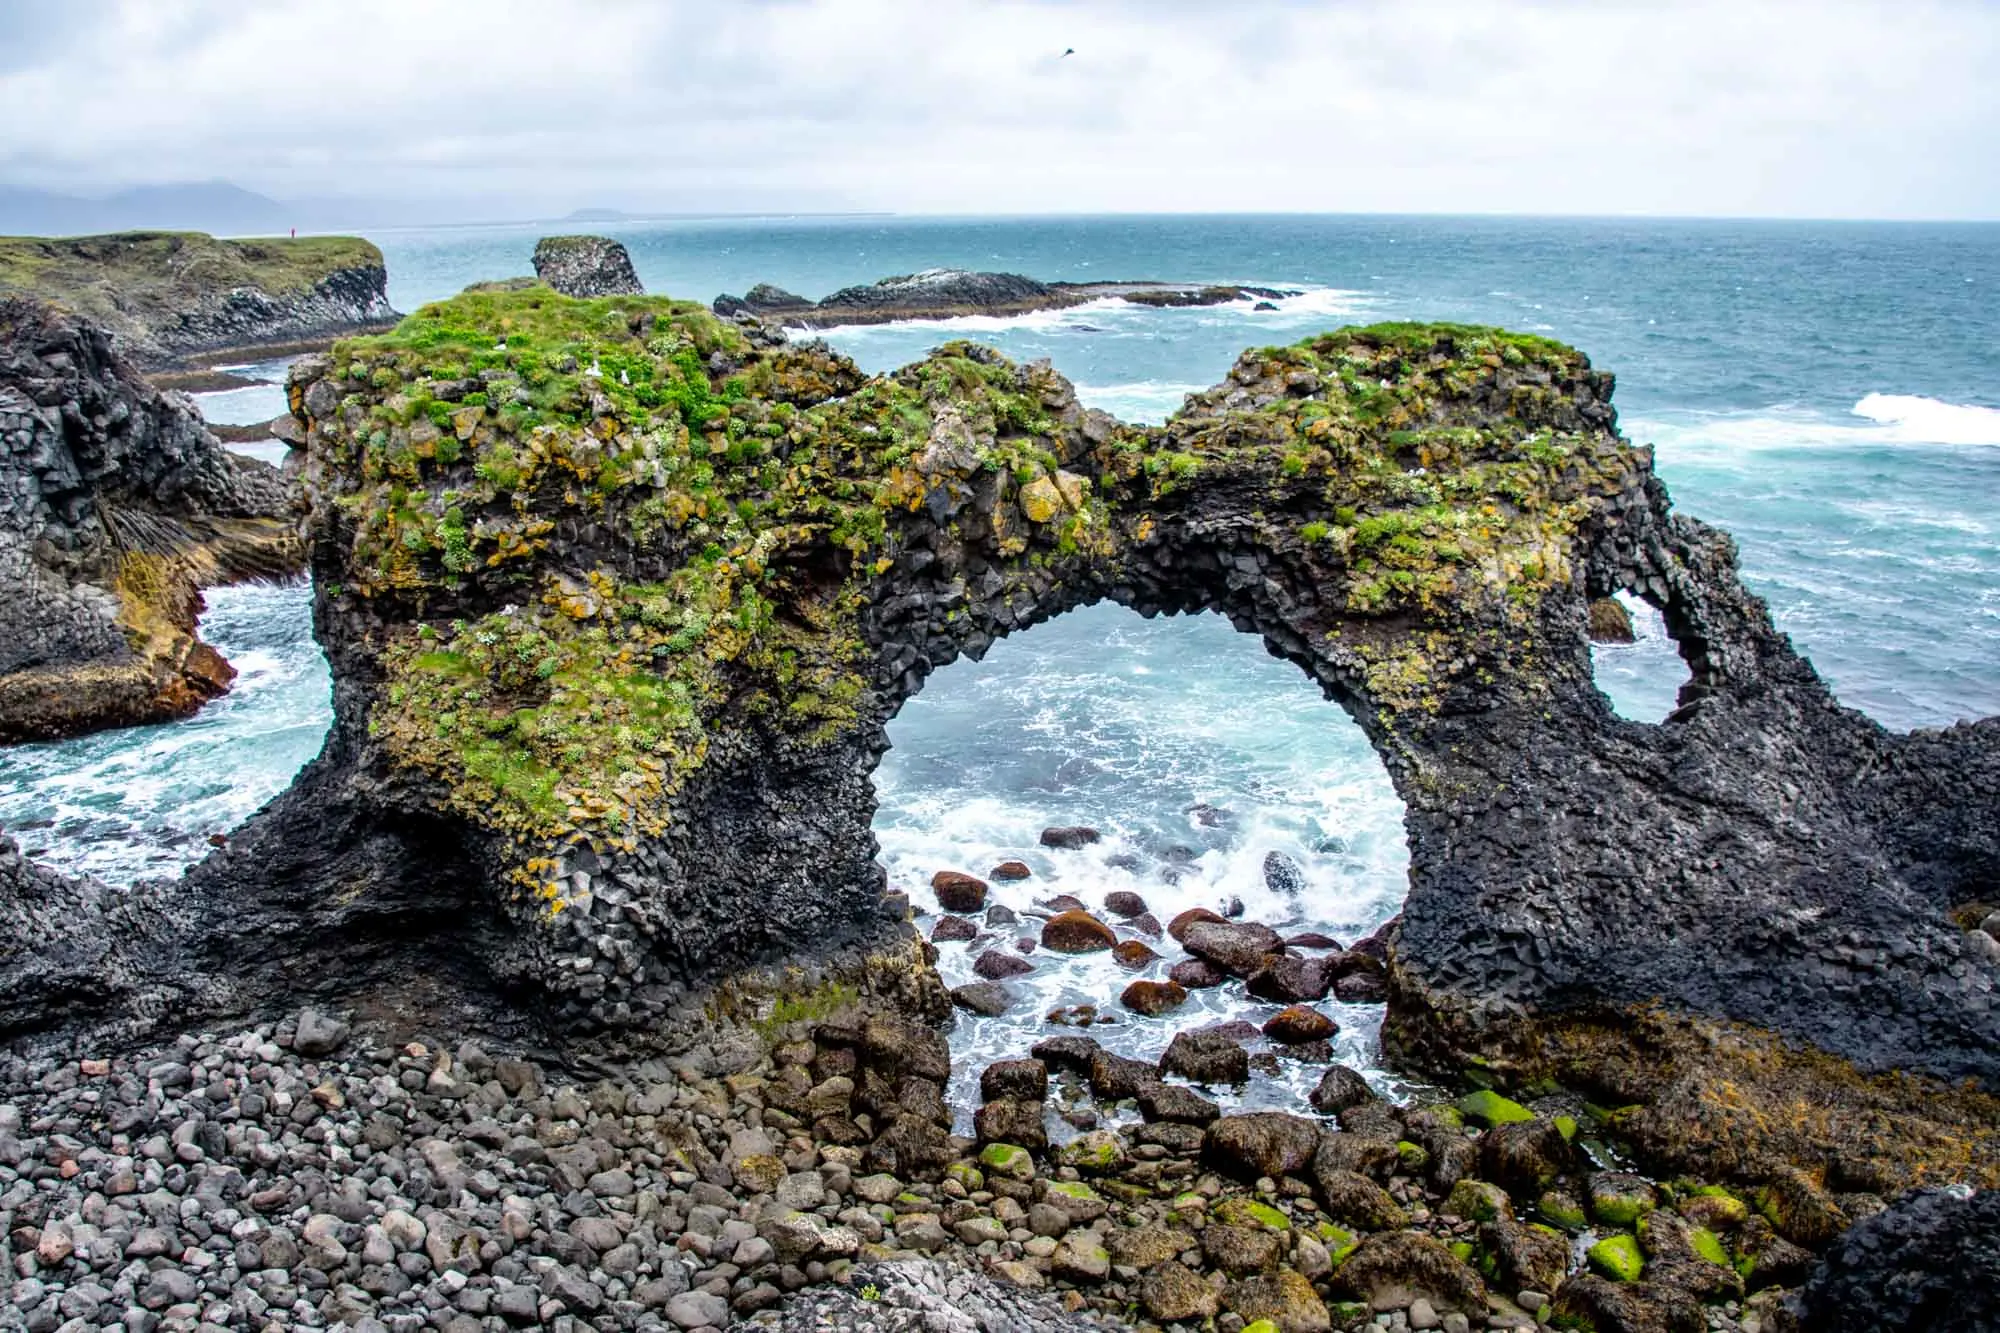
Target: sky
point(530, 108)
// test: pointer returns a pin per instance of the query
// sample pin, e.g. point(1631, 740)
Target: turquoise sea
point(1829, 392)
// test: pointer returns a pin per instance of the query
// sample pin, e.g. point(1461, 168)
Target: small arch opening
point(1634, 660)
point(1215, 776)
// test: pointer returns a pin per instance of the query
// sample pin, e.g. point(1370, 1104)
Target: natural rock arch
point(619, 598)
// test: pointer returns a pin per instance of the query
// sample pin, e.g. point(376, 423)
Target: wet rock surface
point(117, 506)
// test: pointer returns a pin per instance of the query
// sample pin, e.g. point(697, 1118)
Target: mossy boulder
point(1617, 1257)
point(1282, 1302)
point(1562, 1210)
point(1619, 1198)
point(1478, 1201)
point(1007, 1160)
point(1393, 1268)
point(1489, 1108)
point(1242, 1212)
point(1097, 1152)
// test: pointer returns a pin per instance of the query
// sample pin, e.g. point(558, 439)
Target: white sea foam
point(1034, 319)
point(1892, 419)
point(1919, 420)
point(1104, 718)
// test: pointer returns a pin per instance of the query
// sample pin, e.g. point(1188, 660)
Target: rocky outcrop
point(116, 508)
point(946, 293)
point(618, 614)
point(1930, 1263)
point(167, 297)
point(586, 266)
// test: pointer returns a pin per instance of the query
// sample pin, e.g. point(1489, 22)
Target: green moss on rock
point(1005, 1159)
point(1617, 1257)
point(598, 536)
point(1490, 1108)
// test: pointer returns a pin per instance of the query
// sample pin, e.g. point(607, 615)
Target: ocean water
point(1830, 393)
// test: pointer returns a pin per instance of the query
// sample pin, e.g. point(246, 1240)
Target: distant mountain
point(597, 215)
point(212, 206)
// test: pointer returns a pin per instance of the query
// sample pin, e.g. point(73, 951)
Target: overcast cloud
point(1597, 106)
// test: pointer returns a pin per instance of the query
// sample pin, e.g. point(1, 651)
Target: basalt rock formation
point(586, 266)
point(116, 508)
point(619, 600)
point(948, 293)
point(167, 297)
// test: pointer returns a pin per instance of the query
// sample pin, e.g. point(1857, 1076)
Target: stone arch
point(623, 641)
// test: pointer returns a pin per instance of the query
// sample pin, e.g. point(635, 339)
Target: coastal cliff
point(117, 506)
point(167, 297)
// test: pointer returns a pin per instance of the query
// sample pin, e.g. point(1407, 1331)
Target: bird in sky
point(1068, 51)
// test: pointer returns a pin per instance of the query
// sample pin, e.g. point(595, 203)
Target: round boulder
point(1008, 872)
point(1299, 1023)
point(998, 965)
point(1340, 1088)
point(1179, 925)
point(1206, 1057)
point(1153, 998)
point(958, 892)
point(1197, 973)
point(1125, 904)
point(1070, 837)
point(1134, 954)
point(1077, 932)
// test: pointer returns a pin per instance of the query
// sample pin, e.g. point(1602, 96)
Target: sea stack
point(586, 266)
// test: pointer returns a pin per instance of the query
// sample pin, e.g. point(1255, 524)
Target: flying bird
point(1068, 51)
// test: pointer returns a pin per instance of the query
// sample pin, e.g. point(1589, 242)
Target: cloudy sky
point(535, 107)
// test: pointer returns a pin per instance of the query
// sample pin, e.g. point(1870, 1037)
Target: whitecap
point(1915, 419)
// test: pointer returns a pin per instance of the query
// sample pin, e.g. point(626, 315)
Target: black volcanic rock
point(117, 506)
point(938, 289)
point(1929, 1264)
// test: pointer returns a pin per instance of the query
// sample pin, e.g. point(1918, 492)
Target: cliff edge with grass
point(166, 298)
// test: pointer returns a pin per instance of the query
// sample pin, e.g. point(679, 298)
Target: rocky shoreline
point(311, 1173)
point(956, 293)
